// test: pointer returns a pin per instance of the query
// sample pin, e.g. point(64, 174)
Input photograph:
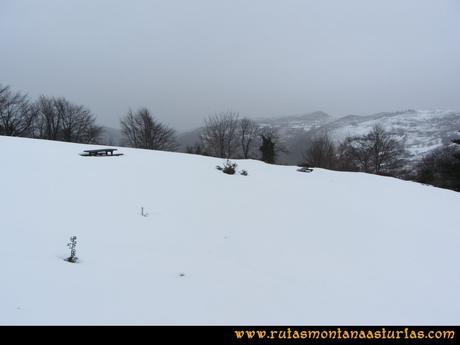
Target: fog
point(185, 60)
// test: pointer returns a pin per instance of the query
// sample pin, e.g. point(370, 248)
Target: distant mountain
point(420, 130)
point(190, 138)
point(114, 137)
point(111, 136)
point(289, 125)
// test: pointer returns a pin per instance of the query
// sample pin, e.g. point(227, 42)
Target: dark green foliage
point(267, 149)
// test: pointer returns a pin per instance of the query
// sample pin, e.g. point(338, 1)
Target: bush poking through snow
point(73, 251)
point(244, 172)
point(228, 168)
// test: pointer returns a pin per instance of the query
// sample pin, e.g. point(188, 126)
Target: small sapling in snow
point(73, 251)
point(143, 214)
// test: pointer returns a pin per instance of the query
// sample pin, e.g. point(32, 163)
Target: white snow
point(421, 131)
point(275, 247)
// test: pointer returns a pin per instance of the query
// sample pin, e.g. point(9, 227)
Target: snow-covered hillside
point(420, 130)
point(275, 247)
point(291, 125)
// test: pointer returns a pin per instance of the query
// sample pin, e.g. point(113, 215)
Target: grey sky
point(185, 60)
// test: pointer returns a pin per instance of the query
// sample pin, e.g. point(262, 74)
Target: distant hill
point(288, 127)
point(190, 138)
point(420, 130)
point(291, 123)
point(111, 136)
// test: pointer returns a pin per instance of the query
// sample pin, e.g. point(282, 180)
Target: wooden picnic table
point(101, 152)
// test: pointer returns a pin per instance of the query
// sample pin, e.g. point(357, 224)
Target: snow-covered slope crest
point(275, 247)
point(420, 130)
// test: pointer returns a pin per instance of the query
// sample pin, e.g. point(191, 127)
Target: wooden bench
point(100, 153)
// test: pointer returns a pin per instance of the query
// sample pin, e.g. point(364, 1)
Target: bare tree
point(143, 131)
point(376, 152)
point(219, 137)
point(386, 151)
point(48, 121)
point(321, 152)
point(16, 115)
point(59, 119)
point(353, 155)
point(78, 124)
point(248, 134)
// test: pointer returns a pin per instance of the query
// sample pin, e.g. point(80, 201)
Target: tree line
point(224, 135)
point(376, 152)
point(52, 118)
point(441, 167)
point(229, 136)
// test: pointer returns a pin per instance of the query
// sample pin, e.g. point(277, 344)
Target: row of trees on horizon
point(52, 118)
point(56, 118)
point(227, 136)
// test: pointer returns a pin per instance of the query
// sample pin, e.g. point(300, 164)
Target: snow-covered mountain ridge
point(420, 130)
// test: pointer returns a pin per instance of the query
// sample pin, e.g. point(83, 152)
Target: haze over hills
point(112, 136)
point(218, 163)
point(420, 130)
point(292, 123)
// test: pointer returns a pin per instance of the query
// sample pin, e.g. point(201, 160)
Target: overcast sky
point(185, 60)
